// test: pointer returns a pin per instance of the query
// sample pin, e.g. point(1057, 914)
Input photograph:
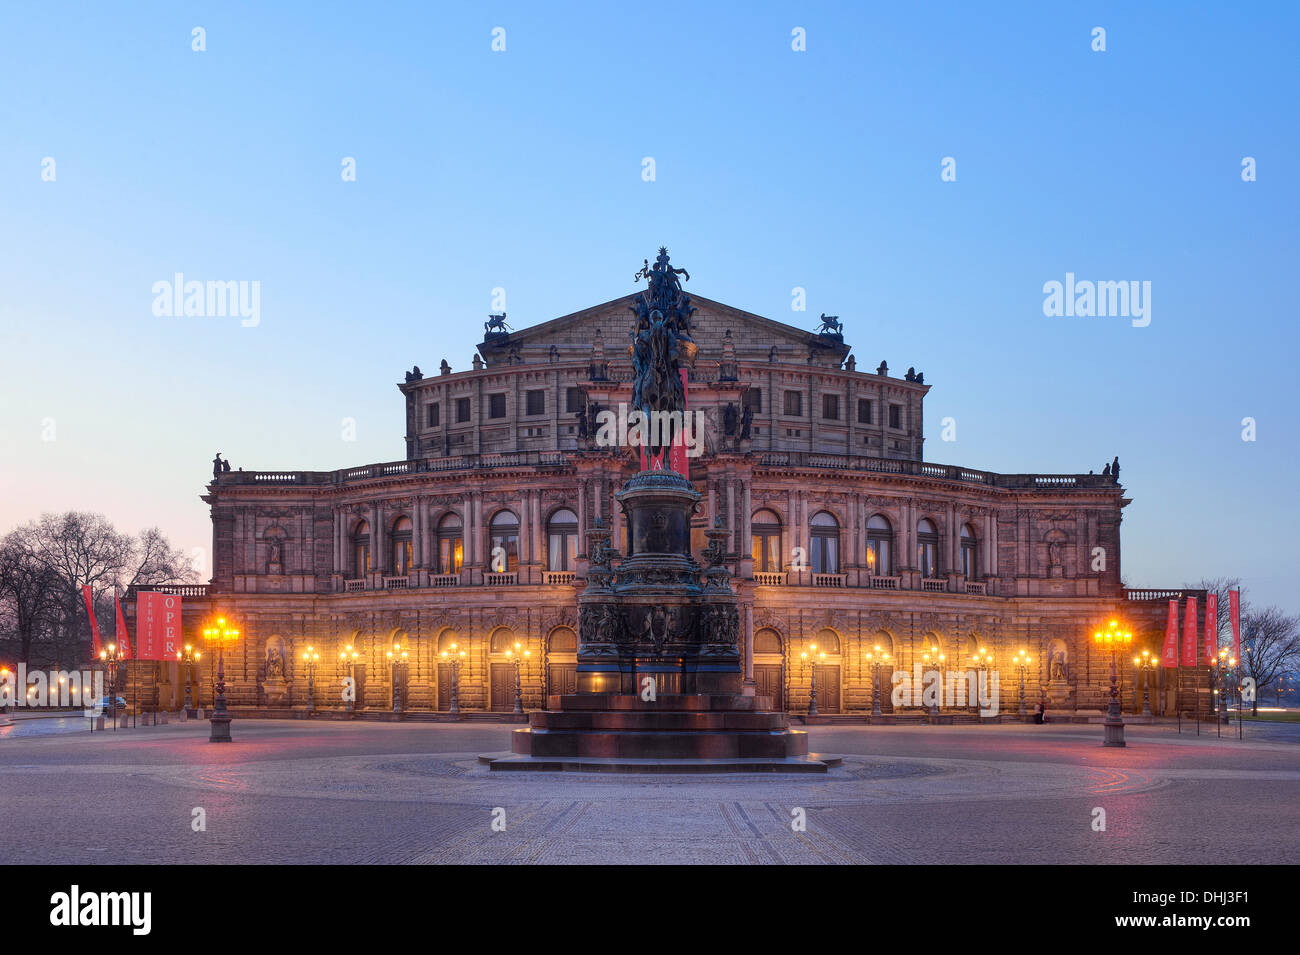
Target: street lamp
point(1145, 664)
point(310, 657)
point(982, 661)
point(1021, 662)
point(397, 660)
point(348, 660)
point(937, 658)
point(1226, 663)
point(111, 655)
point(876, 657)
point(517, 656)
point(222, 633)
point(454, 657)
point(812, 693)
point(189, 656)
point(1113, 639)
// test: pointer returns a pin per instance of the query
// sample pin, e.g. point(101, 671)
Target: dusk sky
point(774, 169)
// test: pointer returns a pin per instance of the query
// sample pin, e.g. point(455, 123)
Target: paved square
point(297, 792)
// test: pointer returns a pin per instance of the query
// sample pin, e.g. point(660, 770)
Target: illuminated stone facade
point(840, 533)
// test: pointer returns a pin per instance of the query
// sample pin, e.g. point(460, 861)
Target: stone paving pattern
point(293, 792)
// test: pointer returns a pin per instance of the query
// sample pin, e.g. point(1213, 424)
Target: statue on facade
point(729, 420)
point(496, 325)
point(882, 368)
point(274, 664)
point(746, 420)
point(1114, 469)
point(1058, 667)
point(274, 559)
point(216, 465)
point(414, 374)
point(225, 467)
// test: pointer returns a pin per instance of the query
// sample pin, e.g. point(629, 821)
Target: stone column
point(538, 549)
point(748, 625)
point(731, 514)
point(582, 516)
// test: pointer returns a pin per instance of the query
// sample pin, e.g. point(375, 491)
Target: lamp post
point(397, 660)
point(110, 656)
point(348, 659)
point(454, 657)
point(517, 656)
point(982, 661)
point(1021, 662)
point(812, 692)
point(221, 633)
point(310, 658)
point(189, 656)
point(933, 656)
point(1144, 665)
point(1226, 663)
point(1113, 638)
point(875, 657)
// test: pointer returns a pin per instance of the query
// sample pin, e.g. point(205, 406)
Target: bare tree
point(1270, 647)
point(45, 563)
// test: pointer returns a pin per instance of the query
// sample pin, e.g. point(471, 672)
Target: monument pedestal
point(607, 732)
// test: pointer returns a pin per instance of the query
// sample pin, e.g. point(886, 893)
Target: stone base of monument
point(590, 732)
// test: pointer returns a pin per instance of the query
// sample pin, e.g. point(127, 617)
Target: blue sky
point(774, 169)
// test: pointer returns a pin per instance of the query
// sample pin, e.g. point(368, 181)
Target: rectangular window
point(535, 402)
point(753, 400)
point(573, 400)
point(864, 411)
point(793, 404)
point(432, 420)
point(496, 406)
point(462, 410)
point(896, 416)
point(831, 407)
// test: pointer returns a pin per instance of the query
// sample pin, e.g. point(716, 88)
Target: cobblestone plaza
point(294, 792)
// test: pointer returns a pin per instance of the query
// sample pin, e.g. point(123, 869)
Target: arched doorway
point(562, 662)
point(501, 670)
point(769, 667)
point(828, 671)
point(450, 647)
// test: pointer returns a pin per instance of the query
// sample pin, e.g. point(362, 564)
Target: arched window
point(503, 543)
point(562, 540)
point(969, 560)
point(503, 639)
point(563, 640)
point(767, 640)
point(824, 534)
point(765, 530)
point(880, 545)
point(449, 642)
point(361, 549)
point(927, 548)
point(828, 641)
point(451, 545)
point(402, 553)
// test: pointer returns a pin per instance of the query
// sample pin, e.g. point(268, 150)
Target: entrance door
point(769, 680)
point(562, 679)
point(443, 702)
point(828, 689)
point(503, 687)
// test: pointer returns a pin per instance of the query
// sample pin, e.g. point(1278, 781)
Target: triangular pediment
point(572, 336)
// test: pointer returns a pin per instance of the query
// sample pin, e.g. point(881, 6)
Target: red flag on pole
point(123, 637)
point(1212, 628)
point(1189, 633)
point(94, 624)
point(1169, 656)
point(1234, 613)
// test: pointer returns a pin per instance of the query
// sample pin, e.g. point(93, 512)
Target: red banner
point(94, 624)
point(1212, 628)
point(1189, 634)
point(1234, 614)
point(123, 635)
point(157, 624)
point(1169, 656)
